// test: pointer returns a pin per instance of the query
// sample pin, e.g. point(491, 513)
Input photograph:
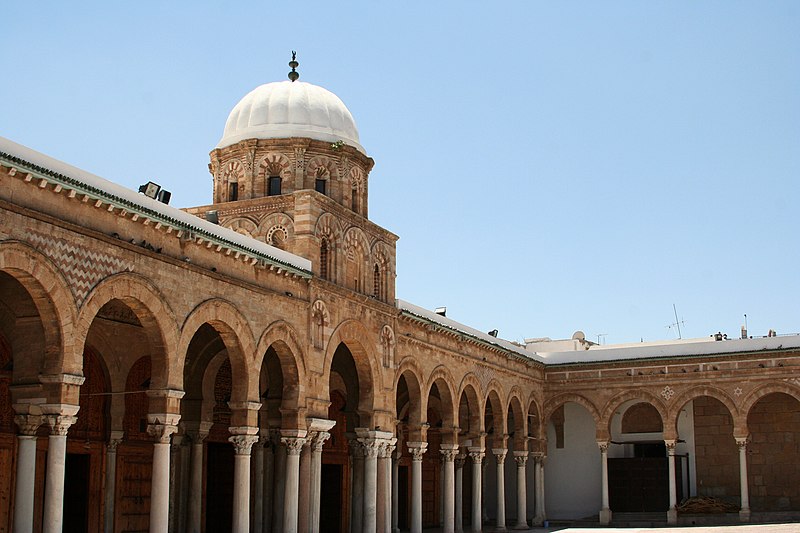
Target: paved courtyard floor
point(761, 528)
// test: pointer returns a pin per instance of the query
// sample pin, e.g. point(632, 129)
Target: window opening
point(320, 186)
point(274, 186)
point(376, 282)
point(233, 194)
point(323, 259)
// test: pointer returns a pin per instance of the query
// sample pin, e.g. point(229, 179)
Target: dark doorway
point(219, 486)
point(641, 483)
point(76, 493)
point(330, 505)
point(403, 510)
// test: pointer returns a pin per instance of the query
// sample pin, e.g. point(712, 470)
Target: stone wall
point(717, 453)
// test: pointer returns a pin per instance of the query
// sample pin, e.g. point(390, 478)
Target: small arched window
point(324, 271)
point(274, 186)
point(376, 282)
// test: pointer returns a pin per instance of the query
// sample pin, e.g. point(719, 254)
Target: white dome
point(286, 109)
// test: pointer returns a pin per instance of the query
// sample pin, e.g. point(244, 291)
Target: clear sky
point(548, 166)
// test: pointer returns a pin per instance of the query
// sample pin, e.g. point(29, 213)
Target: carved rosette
point(294, 445)
point(243, 444)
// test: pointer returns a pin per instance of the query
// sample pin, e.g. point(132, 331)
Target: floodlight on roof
point(150, 189)
point(441, 311)
point(493, 333)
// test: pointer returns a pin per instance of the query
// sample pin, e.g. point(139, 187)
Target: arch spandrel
point(607, 414)
point(54, 301)
point(564, 398)
point(236, 334)
point(152, 310)
point(677, 404)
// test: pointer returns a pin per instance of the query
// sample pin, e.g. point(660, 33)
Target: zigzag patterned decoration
point(82, 268)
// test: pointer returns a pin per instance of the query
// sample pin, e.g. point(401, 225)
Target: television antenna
point(678, 323)
point(599, 335)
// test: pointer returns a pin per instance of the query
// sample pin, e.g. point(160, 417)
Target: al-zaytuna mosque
point(246, 366)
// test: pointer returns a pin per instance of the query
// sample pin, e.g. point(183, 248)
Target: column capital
point(318, 440)
point(294, 445)
point(603, 445)
point(114, 440)
point(387, 448)
point(448, 452)
point(60, 424)
point(417, 450)
point(742, 442)
point(670, 444)
point(476, 454)
point(197, 431)
point(28, 424)
point(243, 444)
point(500, 455)
point(521, 458)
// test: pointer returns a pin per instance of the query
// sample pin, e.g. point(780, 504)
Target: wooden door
point(134, 473)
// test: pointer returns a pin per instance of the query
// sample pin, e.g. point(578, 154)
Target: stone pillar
point(458, 499)
point(257, 474)
point(744, 512)
point(500, 459)
point(605, 511)
point(476, 454)
point(53, 519)
point(26, 472)
point(417, 449)
point(538, 481)
point(372, 442)
point(672, 513)
point(304, 487)
point(198, 435)
point(396, 490)
point(385, 486)
point(242, 439)
point(448, 452)
point(316, 477)
point(357, 497)
point(293, 441)
point(175, 481)
point(521, 458)
point(111, 480)
point(269, 475)
point(159, 483)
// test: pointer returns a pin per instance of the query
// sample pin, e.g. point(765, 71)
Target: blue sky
point(548, 166)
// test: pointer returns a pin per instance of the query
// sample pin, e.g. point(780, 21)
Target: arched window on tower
point(356, 200)
point(321, 186)
point(233, 191)
point(377, 288)
point(274, 186)
point(324, 259)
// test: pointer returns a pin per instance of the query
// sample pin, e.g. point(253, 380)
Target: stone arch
point(607, 414)
point(470, 391)
point(328, 226)
point(356, 240)
point(494, 395)
point(208, 384)
point(284, 340)
point(534, 418)
point(356, 337)
point(567, 397)
point(236, 334)
point(520, 429)
point(410, 370)
point(358, 188)
point(274, 164)
point(320, 323)
point(443, 380)
point(320, 167)
point(232, 172)
point(276, 222)
point(675, 407)
point(242, 225)
point(55, 303)
point(769, 388)
point(151, 309)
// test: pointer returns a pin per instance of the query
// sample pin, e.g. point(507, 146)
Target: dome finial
point(294, 75)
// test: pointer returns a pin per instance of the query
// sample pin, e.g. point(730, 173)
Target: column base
point(500, 528)
point(744, 515)
point(538, 521)
point(605, 516)
point(522, 525)
point(672, 517)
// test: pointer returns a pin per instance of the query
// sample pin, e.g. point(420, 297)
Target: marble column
point(357, 494)
point(53, 519)
point(538, 481)
point(417, 449)
point(242, 441)
point(744, 512)
point(605, 511)
point(396, 489)
point(175, 481)
point(304, 486)
point(500, 460)
point(448, 453)
point(316, 477)
point(257, 475)
point(26, 472)
point(159, 483)
point(196, 479)
point(476, 454)
point(279, 487)
point(521, 458)
point(459, 493)
point(672, 513)
point(269, 475)
point(111, 480)
point(371, 448)
point(385, 486)
point(294, 444)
